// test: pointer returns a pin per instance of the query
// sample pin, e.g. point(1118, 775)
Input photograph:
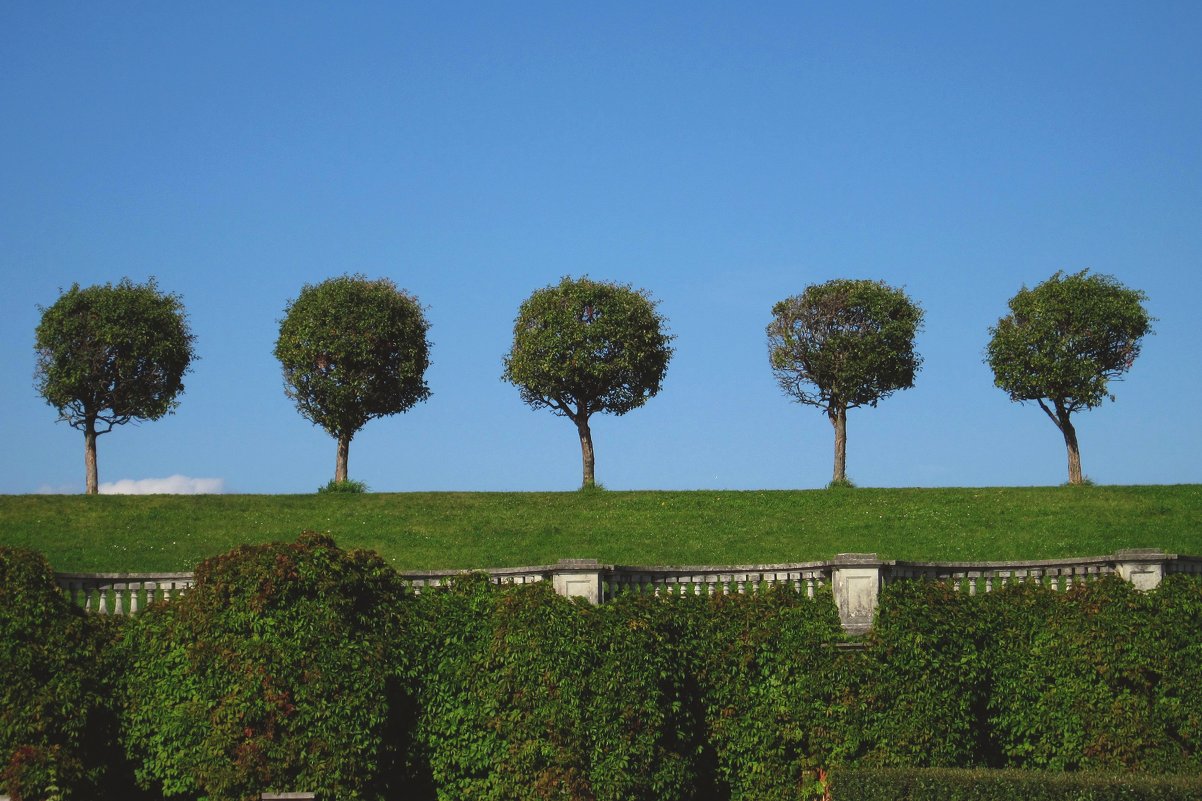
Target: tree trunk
point(1074, 452)
point(89, 456)
point(838, 418)
point(344, 451)
point(1060, 416)
point(587, 457)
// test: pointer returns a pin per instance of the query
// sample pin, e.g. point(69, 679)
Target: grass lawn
point(463, 530)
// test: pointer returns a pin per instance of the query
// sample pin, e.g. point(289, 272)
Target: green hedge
point(1101, 677)
point(524, 694)
point(303, 667)
point(768, 673)
point(909, 784)
point(281, 669)
point(918, 693)
point(58, 729)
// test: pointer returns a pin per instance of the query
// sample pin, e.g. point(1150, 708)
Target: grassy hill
point(460, 530)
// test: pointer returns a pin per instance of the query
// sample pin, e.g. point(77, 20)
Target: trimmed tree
point(109, 354)
point(842, 345)
point(581, 347)
point(353, 349)
point(1061, 345)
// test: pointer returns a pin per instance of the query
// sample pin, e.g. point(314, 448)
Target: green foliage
point(646, 714)
point(524, 694)
point(281, 669)
point(113, 353)
point(844, 344)
point(1177, 695)
point(584, 346)
point(352, 350)
point(909, 784)
point(57, 728)
point(304, 667)
point(1066, 339)
point(918, 692)
point(1113, 673)
point(347, 487)
point(769, 677)
point(109, 354)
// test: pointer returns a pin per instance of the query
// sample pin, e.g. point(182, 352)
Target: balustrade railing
point(974, 577)
point(855, 579)
point(421, 580)
point(1184, 564)
point(713, 580)
point(122, 593)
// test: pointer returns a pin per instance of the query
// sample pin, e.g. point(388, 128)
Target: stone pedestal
point(578, 578)
point(1143, 567)
point(856, 581)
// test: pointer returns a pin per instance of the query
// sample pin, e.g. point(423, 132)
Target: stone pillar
point(1143, 567)
point(856, 581)
point(578, 578)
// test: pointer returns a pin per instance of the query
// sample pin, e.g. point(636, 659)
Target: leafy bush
point(1178, 693)
point(1077, 678)
point(919, 690)
point(526, 694)
point(909, 784)
point(280, 670)
point(647, 718)
point(303, 667)
point(346, 487)
point(57, 730)
point(769, 680)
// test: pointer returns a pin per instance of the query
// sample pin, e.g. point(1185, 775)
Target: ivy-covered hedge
point(769, 673)
point(303, 667)
point(524, 694)
point(281, 669)
point(58, 729)
point(917, 694)
point(1101, 677)
point(917, 784)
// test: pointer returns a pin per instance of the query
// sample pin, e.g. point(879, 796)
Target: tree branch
point(1050, 413)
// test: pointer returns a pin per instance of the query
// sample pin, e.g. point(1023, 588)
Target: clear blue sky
point(720, 155)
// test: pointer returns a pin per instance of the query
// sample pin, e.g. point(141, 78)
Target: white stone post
point(578, 578)
point(856, 581)
point(1143, 567)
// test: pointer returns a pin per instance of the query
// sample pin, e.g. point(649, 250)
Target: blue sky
point(722, 156)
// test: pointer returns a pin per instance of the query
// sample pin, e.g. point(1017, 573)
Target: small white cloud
point(172, 485)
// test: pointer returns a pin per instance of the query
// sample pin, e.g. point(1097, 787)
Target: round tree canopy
point(585, 346)
point(353, 349)
point(113, 353)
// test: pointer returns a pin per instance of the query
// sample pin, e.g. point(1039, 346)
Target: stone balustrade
point(122, 593)
point(855, 579)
